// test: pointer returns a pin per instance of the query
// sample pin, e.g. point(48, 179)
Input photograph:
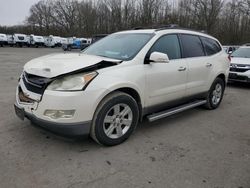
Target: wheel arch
point(130, 91)
point(133, 93)
point(223, 77)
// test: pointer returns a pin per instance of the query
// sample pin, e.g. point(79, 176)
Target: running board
point(175, 110)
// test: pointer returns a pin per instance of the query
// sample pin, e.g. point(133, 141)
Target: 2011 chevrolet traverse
point(106, 89)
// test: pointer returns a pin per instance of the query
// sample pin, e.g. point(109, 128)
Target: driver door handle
point(182, 69)
point(209, 65)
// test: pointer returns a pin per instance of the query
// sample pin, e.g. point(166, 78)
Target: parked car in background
point(64, 41)
point(84, 43)
point(53, 41)
point(97, 37)
point(105, 90)
point(3, 39)
point(20, 40)
point(230, 49)
point(46, 41)
point(240, 65)
point(72, 43)
point(76, 43)
point(10, 40)
point(36, 41)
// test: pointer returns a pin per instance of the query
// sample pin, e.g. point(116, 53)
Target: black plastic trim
point(174, 103)
point(63, 129)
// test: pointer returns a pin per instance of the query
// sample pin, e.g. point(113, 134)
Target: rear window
point(211, 46)
point(192, 46)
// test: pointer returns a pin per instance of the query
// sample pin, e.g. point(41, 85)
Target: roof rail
point(138, 28)
point(174, 26)
point(170, 26)
point(157, 27)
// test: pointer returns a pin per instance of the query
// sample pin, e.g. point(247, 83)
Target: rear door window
point(168, 44)
point(211, 46)
point(192, 46)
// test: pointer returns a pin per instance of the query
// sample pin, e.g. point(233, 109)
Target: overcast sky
point(14, 12)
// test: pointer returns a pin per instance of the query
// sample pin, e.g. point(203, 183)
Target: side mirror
point(157, 57)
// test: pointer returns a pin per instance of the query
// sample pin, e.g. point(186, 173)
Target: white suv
point(106, 89)
point(240, 65)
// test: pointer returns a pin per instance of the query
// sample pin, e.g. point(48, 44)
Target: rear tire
point(215, 94)
point(115, 119)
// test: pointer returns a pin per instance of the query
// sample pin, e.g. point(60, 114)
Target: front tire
point(215, 94)
point(115, 119)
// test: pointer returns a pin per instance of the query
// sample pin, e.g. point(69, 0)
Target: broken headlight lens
point(74, 82)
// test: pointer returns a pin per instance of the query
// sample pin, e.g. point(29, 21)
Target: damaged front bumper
point(34, 106)
point(64, 129)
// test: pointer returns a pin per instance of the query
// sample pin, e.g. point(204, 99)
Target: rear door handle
point(209, 65)
point(182, 69)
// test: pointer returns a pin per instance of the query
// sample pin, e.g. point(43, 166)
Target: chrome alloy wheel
point(117, 121)
point(217, 94)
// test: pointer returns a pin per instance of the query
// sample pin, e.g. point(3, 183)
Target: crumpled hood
point(239, 60)
point(57, 64)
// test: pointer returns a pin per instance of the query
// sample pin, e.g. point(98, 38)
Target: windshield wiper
point(108, 57)
point(102, 56)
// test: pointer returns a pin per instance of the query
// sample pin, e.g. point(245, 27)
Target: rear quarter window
point(211, 46)
point(192, 46)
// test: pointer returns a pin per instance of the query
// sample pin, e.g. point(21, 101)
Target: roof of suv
point(168, 31)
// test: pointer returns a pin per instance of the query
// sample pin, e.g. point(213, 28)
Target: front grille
point(238, 70)
point(36, 84)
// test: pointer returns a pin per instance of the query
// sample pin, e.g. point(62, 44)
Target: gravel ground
point(194, 149)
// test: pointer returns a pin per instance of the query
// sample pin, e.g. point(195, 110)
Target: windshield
point(242, 52)
point(123, 46)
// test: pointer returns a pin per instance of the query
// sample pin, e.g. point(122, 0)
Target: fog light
point(57, 114)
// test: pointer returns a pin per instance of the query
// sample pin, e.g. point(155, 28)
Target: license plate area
point(19, 112)
point(233, 75)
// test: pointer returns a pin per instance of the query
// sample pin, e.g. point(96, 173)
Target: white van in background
point(36, 40)
point(20, 40)
point(10, 40)
point(64, 41)
point(53, 41)
point(46, 41)
point(3, 39)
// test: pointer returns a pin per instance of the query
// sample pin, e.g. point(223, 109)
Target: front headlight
point(74, 82)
